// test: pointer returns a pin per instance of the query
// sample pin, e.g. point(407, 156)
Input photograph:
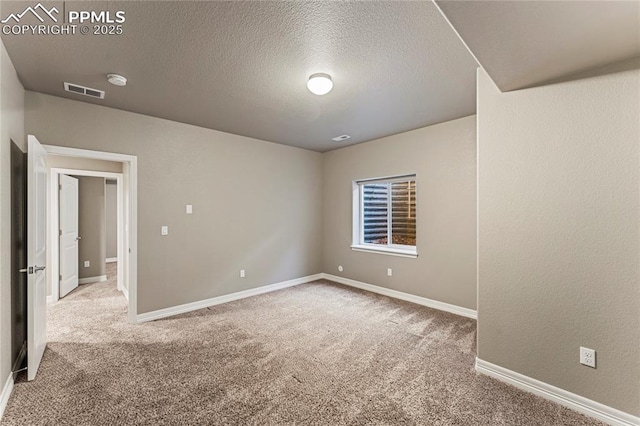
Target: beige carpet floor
point(315, 354)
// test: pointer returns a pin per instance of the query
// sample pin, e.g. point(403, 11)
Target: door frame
point(127, 217)
point(54, 217)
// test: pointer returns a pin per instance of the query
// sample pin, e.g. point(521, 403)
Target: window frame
point(357, 238)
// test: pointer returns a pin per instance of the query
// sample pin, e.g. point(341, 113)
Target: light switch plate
point(87, 263)
point(164, 230)
point(189, 209)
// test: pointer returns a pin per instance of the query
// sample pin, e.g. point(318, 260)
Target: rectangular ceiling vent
point(341, 138)
point(81, 90)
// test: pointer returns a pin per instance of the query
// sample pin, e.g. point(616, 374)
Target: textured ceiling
point(528, 43)
point(241, 67)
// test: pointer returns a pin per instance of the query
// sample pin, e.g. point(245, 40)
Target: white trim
point(127, 246)
point(565, 398)
point(96, 279)
point(86, 153)
point(385, 179)
point(111, 259)
point(419, 300)
point(477, 195)
point(49, 300)
point(120, 229)
point(125, 293)
point(6, 393)
point(77, 172)
point(193, 306)
point(387, 250)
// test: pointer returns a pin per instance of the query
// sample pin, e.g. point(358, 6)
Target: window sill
point(391, 251)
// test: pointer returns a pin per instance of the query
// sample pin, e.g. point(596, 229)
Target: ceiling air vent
point(341, 138)
point(81, 90)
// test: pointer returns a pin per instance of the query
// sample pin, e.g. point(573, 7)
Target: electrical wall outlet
point(588, 357)
point(242, 274)
point(389, 272)
point(340, 268)
point(189, 209)
point(87, 263)
point(164, 230)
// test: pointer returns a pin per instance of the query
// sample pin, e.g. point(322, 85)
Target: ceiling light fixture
point(320, 83)
point(116, 80)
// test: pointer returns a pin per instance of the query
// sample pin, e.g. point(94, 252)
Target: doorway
point(90, 219)
point(42, 252)
point(125, 185)
point(78, 220)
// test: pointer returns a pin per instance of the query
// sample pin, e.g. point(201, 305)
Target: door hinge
point(61, 232)
point(60, 277)
point(60, 187)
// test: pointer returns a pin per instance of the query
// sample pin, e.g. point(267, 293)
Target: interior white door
point(68, 234)
point(36, 255)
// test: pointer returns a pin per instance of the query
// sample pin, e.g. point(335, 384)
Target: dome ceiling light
point(320, 83)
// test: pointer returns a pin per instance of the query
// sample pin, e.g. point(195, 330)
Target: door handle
point(33, 269)
point(78, 238)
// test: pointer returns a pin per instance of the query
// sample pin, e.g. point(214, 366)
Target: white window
point(384, 215)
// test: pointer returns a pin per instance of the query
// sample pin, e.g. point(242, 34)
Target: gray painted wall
point(256, 205)
point(444, 158)
point(559, 238)
point(92, 226)
point(554, 161)
point(111, 218)
point(11, 129)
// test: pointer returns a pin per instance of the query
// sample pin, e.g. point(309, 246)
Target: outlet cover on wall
point(189, 209)
point(588, 357)
point(242, 274)
point(164, 230)
point(389, 272)
point(87, 263)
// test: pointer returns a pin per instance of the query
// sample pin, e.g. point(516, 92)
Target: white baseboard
point(111, 259)
point(125, 292)
point(570, 400)
point(87, 280)
point(6, 393)
point(435, 304)
point(193, 306)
